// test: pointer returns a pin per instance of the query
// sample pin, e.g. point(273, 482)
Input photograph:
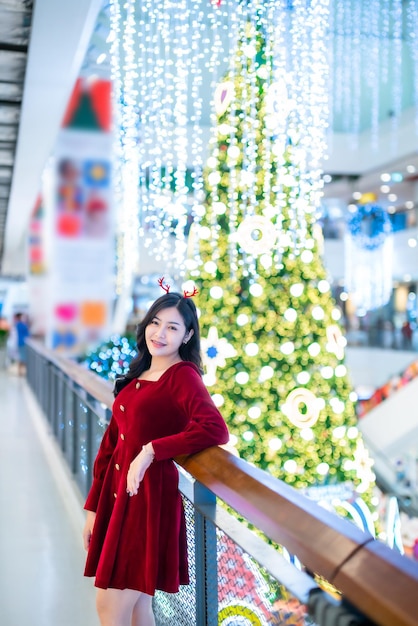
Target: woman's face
point(165, 333)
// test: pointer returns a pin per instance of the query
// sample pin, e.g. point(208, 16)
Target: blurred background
point(105, 126)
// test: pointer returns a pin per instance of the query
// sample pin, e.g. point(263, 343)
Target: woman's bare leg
point(115, 606)
point(142, 614)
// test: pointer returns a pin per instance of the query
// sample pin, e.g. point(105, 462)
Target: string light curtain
point(270, 103)
point(166, 66)
point(167, 59)
point(126, 154)
point(178, 48)
point(374, 55)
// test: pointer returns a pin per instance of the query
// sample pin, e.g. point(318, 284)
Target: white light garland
point(169, 58)
point(368, 48)
point(412, 21)
point(269, 132)
point(122, 33)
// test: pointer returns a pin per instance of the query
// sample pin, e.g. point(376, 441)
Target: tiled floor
point(41, 518)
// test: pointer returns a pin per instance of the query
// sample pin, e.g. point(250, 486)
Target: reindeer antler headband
point(186, 294)
point(161, 283)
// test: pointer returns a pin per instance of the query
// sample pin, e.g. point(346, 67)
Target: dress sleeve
point(205, 425)
point(101, 463)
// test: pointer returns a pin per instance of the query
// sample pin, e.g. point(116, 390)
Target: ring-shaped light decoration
point(369, 226)
point(298, 398)
point(256, 235)
point(227, 614)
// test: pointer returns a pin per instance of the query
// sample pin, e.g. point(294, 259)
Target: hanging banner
point(80, 228)
point(37, 270)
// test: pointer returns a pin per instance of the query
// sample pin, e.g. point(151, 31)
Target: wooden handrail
point(380, 582)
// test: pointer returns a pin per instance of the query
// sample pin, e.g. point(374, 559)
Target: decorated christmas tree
point(273, 348)
point(112, 357)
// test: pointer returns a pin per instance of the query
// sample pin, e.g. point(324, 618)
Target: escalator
point(389, 424)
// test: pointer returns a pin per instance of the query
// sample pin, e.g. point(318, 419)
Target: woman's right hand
point(88, 528)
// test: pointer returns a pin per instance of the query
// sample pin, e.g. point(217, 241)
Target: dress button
point(115, 495)
point(122, 408)
point(138, 385)
point(117, 466)
point(122, 436)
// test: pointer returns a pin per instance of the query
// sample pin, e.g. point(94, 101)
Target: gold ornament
point(368, 198)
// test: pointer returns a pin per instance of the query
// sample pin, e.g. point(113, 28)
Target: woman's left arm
point(138, 467)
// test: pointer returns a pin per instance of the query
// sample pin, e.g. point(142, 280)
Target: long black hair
point(189, 351)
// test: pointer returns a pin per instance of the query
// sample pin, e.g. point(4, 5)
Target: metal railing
point(239, 576)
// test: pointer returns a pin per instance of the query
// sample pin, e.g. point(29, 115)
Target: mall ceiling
point(43, 48)
point(15, 27)
point(58, 37)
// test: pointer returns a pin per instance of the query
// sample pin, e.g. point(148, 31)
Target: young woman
point(135, 527)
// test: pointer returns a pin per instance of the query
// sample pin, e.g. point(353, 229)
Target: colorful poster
point(79, 248)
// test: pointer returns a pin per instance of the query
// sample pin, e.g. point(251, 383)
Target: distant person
point(380, 329)
point(400, 471)
point(22, 333)
point(406, 335)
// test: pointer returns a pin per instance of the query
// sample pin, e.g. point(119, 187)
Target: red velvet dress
point(139, 542)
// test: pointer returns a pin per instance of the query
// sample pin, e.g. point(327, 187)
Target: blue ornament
point(369, 226)
point(212, 352)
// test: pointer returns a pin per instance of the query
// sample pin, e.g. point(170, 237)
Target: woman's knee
point(144, 600)
point(115, 606)
point(105, 606)
point(143, 614)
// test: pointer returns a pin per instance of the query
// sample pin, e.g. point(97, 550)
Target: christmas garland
point(369, 226)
